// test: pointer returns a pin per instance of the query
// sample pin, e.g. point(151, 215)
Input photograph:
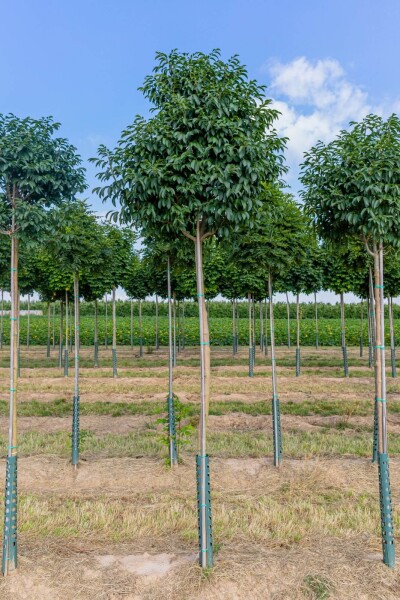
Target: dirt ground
point(126, 528)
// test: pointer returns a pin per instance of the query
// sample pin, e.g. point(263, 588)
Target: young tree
point(37, 171)
point(77, 247)
point(194, 169)
point(352, 189)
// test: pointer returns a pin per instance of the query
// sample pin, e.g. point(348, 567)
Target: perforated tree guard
point(96, 354)
point(10, 517)
point(375, 434)
point(75, 430)
point(393, 361)
point(114, 362)
point(297, 362)
point(208, 532)
point(173, 454)
point(277, 435)
point(251, 365)
point(386, 511)
point(66, 362)
point(345, 361)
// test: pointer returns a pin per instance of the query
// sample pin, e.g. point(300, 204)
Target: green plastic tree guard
point(10, 517)
point(173, 453)
point(386, 511)
point(114, 362)
point(375, 434)
point(66, 362)
point(345, 361)
point(276, 428)
point(208, 533)
point(297, 362)
point(75, 430)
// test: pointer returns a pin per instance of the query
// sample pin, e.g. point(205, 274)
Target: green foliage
point(352, 185)
point(184, 425)
point(201, 156)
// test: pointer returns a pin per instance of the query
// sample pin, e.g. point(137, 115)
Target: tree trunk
point(140, 329)
point(131, 324)
point(372, 317)
point(361, 328)
point(173, 454)
point(106, 325)
point(61, 344)
point(380, 400)
point(276, 418)
point(261, 328)
point(205, 555)
point(298, 335)
point(157, 337)
point(183, 326)
point(10, 516)
point(251, 366)
point(233, 328)
point(75, 406)
point(28, 324)
point(266, 328)
point(174, 328)
point(48, 329)
point(96, 334)
point(66, 360)
point(288, 319)
point(316, 321)
point(343, 327)
point(54, 325)
point(114, 334)
point(392, 341)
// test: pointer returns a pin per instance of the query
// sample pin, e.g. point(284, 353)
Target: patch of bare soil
point(339, 569)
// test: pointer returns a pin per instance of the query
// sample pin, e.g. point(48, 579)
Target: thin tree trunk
point(48, 329)
point(251, 368)
point(71, 337)
point(288, 319)
point(183, 326)
point(316, 321)
point(60, 351)
point(266, 328)
point(28, 323)
point(54, 326)
point(392, 341)
point(174, 327)
point(106, 325)
point(276, 419)
point(131, 325)
point(206, 559)
point(114, 334)
point(140, 329)
point(343, 327)
point(76, 399)
point(96, 334)
point(173, 455)
point(10, 516)
point(233, 328)
point(298, 335)
point(66, 363)
point(261, 328)
point(383, 457)
point(157, 337)
point(362, 328)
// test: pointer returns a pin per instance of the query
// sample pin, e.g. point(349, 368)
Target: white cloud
point(316, 100)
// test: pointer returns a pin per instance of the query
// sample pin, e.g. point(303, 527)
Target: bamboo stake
point(140, 329)
point(343, 327)
point(114, 334)
point(28, 323)
point(131, 324)
point(48, 329)
point(297, 335)
point(60, 352)
point(157, 337)
point(66, 362)
point(316, 321)
point(288, 319)
point(96, 334)
point(106, 325)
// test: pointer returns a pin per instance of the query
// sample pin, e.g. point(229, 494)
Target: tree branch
point(186, 234)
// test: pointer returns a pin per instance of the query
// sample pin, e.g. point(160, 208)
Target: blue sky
point(326, 62)
point(82, 62)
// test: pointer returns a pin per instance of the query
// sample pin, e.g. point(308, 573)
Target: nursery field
point(329, 331)
point(124, 525)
